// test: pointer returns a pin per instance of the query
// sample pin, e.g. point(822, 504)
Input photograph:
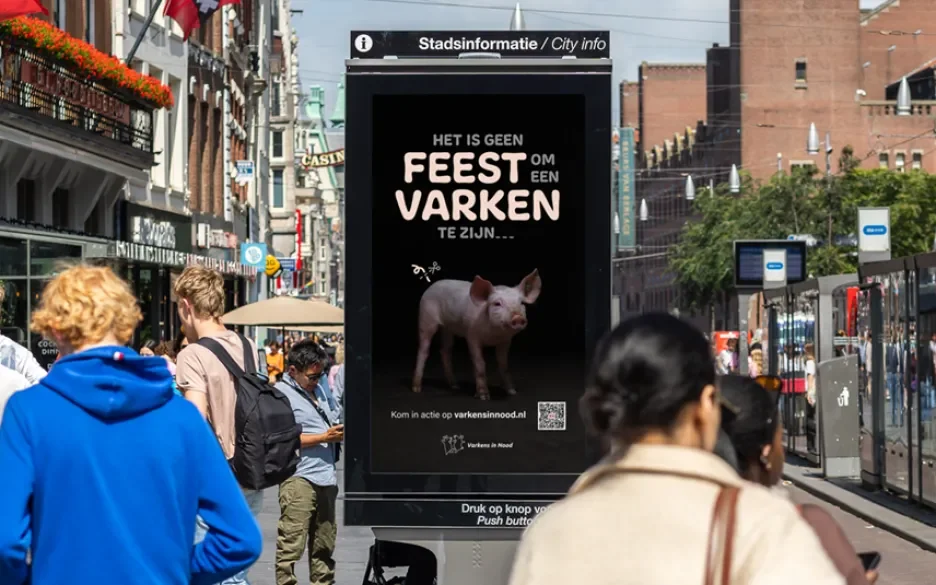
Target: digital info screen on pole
point(477, 279)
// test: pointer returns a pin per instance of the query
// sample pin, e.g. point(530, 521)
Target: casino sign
point(319, 160)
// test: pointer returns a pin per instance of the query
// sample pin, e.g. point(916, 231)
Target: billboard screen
point(478, 249)
point(749, 261)
point(477, 286)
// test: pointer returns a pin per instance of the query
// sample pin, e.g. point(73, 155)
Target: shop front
point(219, 241)
point(152, 275)
point(153, 270)
point(28, 260)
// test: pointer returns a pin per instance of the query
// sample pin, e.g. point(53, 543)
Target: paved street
point(351, 552)
point(903, 563)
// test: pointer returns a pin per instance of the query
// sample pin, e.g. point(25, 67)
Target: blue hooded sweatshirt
point(102, 472)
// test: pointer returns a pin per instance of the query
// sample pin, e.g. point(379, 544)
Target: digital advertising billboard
point(477, 276)
point(479, 232)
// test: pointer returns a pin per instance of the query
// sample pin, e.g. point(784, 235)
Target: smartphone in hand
point(870, 560)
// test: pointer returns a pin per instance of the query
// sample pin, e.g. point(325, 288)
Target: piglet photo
point(484, 314)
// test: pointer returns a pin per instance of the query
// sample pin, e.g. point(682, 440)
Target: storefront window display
point(26, 264)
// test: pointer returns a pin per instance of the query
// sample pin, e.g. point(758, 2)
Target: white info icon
point(363, 43)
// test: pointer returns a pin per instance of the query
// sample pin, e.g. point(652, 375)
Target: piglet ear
point(480, 290)
point(530, 287)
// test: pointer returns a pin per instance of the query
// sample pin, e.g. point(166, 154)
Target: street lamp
point(812, 146)
point(812, 140)
point(903, 98)
point(690, 189)
point(644, 211)
point(734, 180)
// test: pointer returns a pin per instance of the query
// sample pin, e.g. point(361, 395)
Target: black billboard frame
point(363, 489)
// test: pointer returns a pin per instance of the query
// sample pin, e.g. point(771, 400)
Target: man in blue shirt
point(308, 498)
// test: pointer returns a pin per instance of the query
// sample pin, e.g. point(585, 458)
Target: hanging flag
point(14, 8)
point(191, 14)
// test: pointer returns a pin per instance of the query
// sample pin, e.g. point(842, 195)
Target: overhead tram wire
point(641, 17)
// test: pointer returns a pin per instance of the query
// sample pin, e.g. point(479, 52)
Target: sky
point(324, 25)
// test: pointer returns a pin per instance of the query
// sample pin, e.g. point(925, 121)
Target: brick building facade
point(89, 21)
point(630, 104)
point(785, 68)
point(671, 96)
point(206, 94)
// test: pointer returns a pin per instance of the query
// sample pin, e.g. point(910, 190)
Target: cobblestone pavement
point(902, 563)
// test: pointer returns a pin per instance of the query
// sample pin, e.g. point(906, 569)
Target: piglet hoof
point(483, 395)
point(417, 389)
point(511, 391)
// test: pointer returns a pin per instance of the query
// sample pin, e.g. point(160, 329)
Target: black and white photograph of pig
point(484, 314)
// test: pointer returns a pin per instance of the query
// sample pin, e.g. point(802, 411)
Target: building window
point(60, 208)
point(277, 144)
point(278, 202)
point(802, 165)
point(917, 161)
point(274, 16)
point(899, 161)
point(322, 249)
point(89, 21)
point(275, 98)
point(26, 200)
point(58, 14)
point(883, 161)
point(801, 73)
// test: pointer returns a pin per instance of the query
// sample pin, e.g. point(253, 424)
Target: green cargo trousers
point(307, 515)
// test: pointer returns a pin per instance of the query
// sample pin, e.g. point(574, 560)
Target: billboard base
point(464, 556)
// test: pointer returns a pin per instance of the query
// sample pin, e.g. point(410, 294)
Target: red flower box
point(85, 59)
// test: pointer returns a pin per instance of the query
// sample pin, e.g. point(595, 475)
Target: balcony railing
point(40, 85)
point(889, 107)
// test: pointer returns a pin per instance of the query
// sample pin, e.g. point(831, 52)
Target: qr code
point(551, 416)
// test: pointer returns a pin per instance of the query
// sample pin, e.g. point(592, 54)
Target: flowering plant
point(86, 60)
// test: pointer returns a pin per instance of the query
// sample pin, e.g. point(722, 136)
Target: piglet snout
point(518, 322)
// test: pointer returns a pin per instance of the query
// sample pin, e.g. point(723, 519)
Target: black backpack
point(266, 443)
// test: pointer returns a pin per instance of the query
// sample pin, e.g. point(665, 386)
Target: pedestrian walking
point(308, 499)
point(16, 357)
point(10, 381)
point(756, 439)
point(651, 399)
point(104, 468)
point(201, 376)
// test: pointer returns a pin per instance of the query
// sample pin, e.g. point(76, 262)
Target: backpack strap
point(250, 365)
point(223, 356)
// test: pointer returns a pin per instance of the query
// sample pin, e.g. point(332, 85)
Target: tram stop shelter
point(896, 317)
point(809, 343)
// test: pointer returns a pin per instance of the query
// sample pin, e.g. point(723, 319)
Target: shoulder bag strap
point(223, 356)
point(249, 358)
point(721, 537)
point(318, 409)
point(314, 404)
point(724, 516)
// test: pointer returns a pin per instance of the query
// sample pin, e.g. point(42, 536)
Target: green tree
point(802, 202)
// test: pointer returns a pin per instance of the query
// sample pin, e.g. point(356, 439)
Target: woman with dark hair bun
point(756, 436)
point(662, 508)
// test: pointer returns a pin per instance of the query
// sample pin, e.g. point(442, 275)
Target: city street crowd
point(111, 474)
